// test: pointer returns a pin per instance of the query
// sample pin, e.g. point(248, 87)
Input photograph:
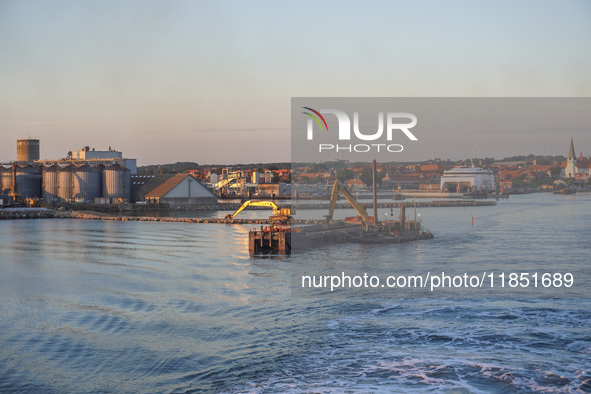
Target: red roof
point(161, 190)
point(358, 182)
point(583, 163)
point(430, 167)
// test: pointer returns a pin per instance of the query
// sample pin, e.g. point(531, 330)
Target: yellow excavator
point(337, 188)
point(280, 215)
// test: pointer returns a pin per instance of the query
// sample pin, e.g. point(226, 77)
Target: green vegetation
point(317, 167)
point(175, 168)
point(531, 183)
point(167, 168)
point(555, 170)
point(540, 160)
point(344, 165)
point(344, 174)
point(367, 177)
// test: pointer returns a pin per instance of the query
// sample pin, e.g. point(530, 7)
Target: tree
point(344, 174)
point(317, 167)
point(555, 170)
point(367, 177)
point(275, 178)
point(318, 179)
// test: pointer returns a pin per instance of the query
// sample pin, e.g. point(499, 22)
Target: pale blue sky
point(211, 82)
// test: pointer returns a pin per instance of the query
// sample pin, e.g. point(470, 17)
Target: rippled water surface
point(102, 306)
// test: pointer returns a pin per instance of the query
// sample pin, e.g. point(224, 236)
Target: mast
point(375, 195)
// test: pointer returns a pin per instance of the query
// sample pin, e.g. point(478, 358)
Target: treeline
point(158, 169)
point(177, 167)
point(540, 160)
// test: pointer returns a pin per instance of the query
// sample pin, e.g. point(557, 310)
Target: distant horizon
point(358, 162)
point(140, 164)
point(326, 161)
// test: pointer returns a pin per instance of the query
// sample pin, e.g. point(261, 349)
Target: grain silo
point(50, 189)
point(28, 182)
point(27, 150)
point(5, 180)
point(116, 182)
point(86, 183)
point(64, 182)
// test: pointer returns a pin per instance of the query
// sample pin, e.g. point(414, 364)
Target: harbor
point(113, 258)
point(87, 297)
point(283, 198)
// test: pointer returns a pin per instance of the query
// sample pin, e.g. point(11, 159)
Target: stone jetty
point(409, 204)
point(43, 213)
point(99, 216)
point(33, 214)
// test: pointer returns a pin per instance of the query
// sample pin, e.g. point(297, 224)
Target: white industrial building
point(468, 179)
point(87, 154)
point(180, 189)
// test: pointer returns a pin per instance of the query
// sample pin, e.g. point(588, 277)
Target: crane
point(14, 194)
point(337, 188)
point(279, 214)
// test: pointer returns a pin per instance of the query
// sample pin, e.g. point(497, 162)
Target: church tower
point(571, 162)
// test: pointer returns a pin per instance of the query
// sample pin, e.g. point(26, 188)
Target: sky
point(211, 81)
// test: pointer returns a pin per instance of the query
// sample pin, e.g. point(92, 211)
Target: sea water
point(115, 306)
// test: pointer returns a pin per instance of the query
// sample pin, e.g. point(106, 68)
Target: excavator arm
point(276, 210)
point(339, 188)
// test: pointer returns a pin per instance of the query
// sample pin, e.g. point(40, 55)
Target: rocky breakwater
point(100, 216)
point(32, 213)
point(409, 204)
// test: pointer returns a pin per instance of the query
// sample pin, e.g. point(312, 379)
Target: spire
point(571, 151)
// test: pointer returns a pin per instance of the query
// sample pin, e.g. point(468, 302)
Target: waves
point(456, 346)
point(94, 306)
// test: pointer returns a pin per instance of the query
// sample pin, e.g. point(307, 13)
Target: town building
point(571, 162)
point(273, 190)
point(462, 179)
point(579, 169)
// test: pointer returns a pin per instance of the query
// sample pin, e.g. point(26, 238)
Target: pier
point(283, 240)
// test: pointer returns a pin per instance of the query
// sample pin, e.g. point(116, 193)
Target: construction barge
point(360, 229)
point(284, 240)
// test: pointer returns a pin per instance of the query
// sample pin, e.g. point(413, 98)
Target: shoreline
point(90, 214)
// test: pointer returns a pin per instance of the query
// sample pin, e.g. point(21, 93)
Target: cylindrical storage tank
point(127, 184)
point(64, 183)
point(50, 192)
point(116, 182)
point(27, 150)
point(2, 190)
point(86, 183)
point(6, 176)
point(28, 182)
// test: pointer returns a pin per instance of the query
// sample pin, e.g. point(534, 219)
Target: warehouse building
point(179, 189)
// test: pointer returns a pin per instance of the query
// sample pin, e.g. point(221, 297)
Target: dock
point(283, 240)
